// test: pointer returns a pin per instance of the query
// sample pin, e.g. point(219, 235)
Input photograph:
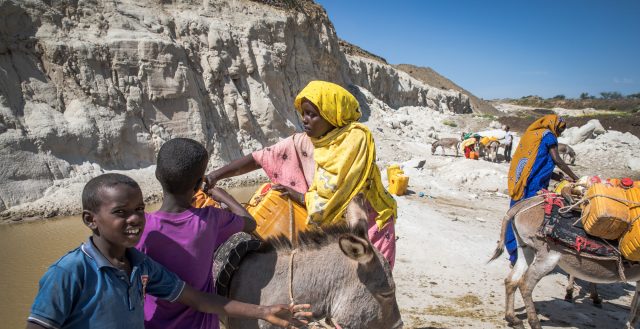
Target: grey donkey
point(335, 269)
point(565, 152)
point(490, 151)
point(452, 143)
point(536, 258)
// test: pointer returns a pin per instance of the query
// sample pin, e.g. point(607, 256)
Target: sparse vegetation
point(449, 123)
point(586, 96)
point(611, 95)
point(487, 116)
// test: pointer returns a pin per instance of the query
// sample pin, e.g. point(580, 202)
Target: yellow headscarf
point(345, 158)
point(527, 151)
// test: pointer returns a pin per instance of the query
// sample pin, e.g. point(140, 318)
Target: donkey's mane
point(315, 238)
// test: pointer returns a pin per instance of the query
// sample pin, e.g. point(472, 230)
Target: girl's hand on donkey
point(287, 316)
point(287, 191)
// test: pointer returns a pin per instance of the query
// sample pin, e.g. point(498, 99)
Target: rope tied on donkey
point(294, 242)
point(586, 199)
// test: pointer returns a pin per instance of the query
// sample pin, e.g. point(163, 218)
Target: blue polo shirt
point(84, 290)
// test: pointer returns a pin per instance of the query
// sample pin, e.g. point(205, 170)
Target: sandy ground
point(445, 240)
point(447, 235)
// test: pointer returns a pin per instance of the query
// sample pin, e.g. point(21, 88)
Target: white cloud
point(623, 81)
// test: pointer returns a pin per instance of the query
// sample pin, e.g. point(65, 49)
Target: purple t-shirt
point(184, 243)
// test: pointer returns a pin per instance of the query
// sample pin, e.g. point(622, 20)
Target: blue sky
point(499, 49)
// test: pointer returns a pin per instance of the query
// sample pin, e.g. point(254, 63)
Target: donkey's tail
point(503, 230)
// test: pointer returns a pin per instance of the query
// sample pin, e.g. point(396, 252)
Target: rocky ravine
point(87, 86)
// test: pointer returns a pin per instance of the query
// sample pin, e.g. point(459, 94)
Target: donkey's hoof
point(513, 320)
point(535, 324)
point(568, 297)
point(597, 303)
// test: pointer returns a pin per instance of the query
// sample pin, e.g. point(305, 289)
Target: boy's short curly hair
point(178, 165)
point(90, 193)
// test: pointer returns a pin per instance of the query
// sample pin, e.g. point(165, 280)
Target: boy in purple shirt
point(183, 238)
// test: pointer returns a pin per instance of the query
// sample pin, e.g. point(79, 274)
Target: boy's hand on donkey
point(210, 180)
point(287, 191)
point(218, 194)
point(287, 316)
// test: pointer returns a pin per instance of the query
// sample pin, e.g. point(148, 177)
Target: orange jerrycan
point(393, 170)
point(606, 214)
point(398, 181)
point(630, 242)
point(276, 214)
point(398, 184)
point(201, 200)
point(613, 181)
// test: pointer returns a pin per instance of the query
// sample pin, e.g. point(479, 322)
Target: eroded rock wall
point(88, 85)
point(398, 89)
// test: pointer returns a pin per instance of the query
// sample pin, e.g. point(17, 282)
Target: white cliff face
point(398, 88)
point(89, 85)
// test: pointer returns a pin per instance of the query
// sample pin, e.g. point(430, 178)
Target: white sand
point(447, 236)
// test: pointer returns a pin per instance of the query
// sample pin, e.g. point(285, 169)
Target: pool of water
point(27, 250)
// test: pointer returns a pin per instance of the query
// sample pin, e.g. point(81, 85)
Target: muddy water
point(27, 250)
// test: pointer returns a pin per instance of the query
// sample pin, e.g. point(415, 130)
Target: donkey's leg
point(593, 293)
point(543, 263)
point(632, 319)
point(570, 285)
point(511, 283)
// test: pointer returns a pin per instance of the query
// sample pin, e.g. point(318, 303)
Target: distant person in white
point(508, 142)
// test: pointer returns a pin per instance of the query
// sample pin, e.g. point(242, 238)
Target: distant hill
point(433, 78)
point(621, 104)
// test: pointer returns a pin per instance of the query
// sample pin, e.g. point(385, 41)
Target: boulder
point(633, 163)
point(576, 135)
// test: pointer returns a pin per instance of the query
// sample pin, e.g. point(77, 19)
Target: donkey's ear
point(357, 216)
point(356, 248)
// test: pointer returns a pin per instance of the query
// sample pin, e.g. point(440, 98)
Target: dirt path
point(444, 282)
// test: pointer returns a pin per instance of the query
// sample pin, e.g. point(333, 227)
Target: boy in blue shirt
point(102, 283)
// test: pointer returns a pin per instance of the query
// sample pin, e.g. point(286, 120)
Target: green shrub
point(487, 116)
point(449, 123)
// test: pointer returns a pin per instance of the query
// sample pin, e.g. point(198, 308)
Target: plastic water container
point(272, 212)
point(630, 242)
point(474, 155)
point(201, 200)
point(613, 181)
point(560, 186)
point(398, 184)
point(604, 216)
point(392, 171)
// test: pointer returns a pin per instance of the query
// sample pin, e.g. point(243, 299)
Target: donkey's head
point(434, 146)
point(365, 296)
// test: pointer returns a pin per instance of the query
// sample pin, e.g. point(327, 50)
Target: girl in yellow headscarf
point(345, 155)
point(532, 165)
